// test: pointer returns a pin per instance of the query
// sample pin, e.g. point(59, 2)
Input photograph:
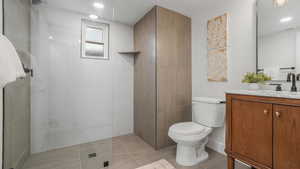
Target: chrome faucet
point(292, 77)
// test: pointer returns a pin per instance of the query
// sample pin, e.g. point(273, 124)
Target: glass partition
point(62, 115)
point(17, 95)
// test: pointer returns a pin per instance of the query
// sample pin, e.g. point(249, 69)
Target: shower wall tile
point(78, 100)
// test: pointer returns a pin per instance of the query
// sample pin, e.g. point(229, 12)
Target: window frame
point(105, 27)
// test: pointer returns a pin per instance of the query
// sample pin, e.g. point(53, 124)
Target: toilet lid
point(188, 128)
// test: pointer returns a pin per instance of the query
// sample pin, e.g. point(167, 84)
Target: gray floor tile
point(123, 152)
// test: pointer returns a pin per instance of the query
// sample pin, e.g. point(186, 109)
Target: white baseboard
point(216, 146)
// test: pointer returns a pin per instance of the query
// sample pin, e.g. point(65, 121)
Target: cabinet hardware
point(266, 112)
point(277, 114)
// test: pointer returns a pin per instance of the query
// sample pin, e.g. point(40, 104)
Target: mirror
point(278, 38)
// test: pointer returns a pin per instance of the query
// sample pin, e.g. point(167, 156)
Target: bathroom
point(122, 105)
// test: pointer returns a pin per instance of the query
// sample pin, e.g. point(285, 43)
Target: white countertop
point(267, 93)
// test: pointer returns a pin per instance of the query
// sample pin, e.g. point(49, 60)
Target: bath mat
point(161, 164)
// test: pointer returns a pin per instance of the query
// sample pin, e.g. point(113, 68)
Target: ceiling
point(129, 11)
point(269, 16)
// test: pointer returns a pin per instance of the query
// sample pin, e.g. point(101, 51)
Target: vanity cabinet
point(263, 132)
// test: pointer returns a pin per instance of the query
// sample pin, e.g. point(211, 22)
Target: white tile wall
point(78, 100)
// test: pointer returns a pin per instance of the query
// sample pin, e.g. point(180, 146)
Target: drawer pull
point(266, 112)
point(277, 114)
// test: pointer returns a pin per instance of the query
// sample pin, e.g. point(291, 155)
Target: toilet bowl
point(192, 137)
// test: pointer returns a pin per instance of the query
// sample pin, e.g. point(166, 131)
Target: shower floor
point(128, 152)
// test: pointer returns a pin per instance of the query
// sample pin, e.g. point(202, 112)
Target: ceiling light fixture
point(50, 37)
point(280, 3)
point(98, 5)
point(92, 16)
point(286, 19)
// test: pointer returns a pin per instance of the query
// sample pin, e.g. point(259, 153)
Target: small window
point(95, 40)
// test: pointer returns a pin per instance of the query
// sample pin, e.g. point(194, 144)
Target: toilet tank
point(209, 112)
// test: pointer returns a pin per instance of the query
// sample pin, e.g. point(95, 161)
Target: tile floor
point(127, 152)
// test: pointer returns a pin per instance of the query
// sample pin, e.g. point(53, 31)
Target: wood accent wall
point(145, 78)
point(174, 82)
point(163, 84)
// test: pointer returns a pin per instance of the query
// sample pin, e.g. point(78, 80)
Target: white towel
point(10, 65)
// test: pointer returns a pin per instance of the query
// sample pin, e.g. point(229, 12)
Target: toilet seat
point(189, 128)
point(189, 131)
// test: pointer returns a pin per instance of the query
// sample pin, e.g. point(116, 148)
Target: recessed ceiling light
point(92, 16)
point(98, 5)
point(286, 19)
point(280, 3)
point(50, 37)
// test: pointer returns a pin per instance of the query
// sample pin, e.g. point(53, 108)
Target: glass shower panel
point(16, 145)
point(63, 115)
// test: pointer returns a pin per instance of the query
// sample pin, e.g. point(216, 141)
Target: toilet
point(191, 137)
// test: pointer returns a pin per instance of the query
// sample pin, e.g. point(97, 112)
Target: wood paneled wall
point(145, 78)
point(163, 84)
point(174, 83)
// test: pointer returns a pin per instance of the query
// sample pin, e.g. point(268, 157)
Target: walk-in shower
point(62, 115)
